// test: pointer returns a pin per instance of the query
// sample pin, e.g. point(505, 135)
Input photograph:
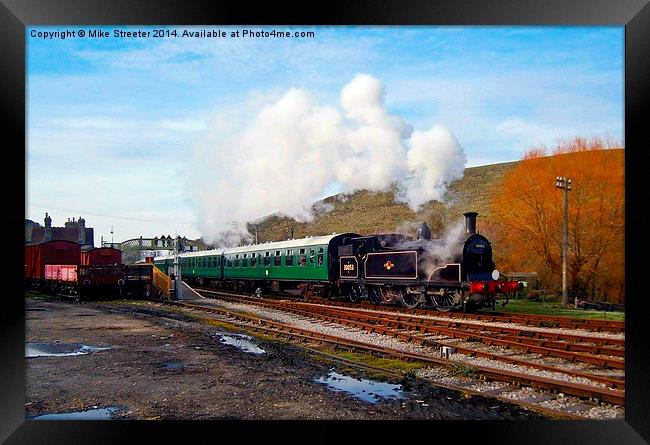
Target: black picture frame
point(15, 15)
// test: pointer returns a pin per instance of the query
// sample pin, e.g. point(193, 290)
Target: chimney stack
point(82, 231)
point(47, 236)
point(470, 222)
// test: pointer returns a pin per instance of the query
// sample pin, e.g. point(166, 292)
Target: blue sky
point(112, 123)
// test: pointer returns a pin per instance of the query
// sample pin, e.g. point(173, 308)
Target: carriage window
point(320, 259)
point(311, 256)
point(302, 260)
point(277, 259)
point(253, 260)
point(229, 263)
point(243, 262)
point(288, 260)
point(267, 258)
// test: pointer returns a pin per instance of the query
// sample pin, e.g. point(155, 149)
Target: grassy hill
point(367, 212)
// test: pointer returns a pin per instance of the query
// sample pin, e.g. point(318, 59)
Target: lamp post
point(177, 269)
point(564, 184)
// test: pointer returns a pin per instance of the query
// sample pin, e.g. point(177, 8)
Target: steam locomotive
point(455, 273)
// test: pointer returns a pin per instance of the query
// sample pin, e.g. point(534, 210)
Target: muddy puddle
point(107, 413)
point(241, 342)
point(172, 364)
point(371, 391)
point(45, 349)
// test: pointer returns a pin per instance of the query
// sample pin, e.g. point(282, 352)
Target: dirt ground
point(163, 365)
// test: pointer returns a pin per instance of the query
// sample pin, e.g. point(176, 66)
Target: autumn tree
point(528, 213)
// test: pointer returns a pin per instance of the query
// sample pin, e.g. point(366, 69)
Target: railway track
point(538, 335)
point(533, 320)
point(603, 388)
point(417, 330)
point(543, 321)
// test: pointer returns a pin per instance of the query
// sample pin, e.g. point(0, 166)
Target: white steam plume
point(281, 158)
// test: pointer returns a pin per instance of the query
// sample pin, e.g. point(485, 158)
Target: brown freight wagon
point(50, 252)
point(101, 255)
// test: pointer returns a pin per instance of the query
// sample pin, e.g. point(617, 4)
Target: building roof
point(287, 244)
point(62, 233)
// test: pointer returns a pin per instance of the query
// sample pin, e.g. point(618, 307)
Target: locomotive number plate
point(349, 267)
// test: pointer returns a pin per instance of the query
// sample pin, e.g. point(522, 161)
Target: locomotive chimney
point(423, 231)
point(470, 222)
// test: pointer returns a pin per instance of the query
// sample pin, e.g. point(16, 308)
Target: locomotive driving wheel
point(408, 299)
point(357, 292)
point(444, 302)
point(375, 295)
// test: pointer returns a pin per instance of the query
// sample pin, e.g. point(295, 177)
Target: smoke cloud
point(284, 155)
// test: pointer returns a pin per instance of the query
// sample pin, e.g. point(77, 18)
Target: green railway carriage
point(278, 265)
point(304, 260)
point(200, 266)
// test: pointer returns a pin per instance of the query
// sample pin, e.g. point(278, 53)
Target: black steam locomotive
point(456, 273)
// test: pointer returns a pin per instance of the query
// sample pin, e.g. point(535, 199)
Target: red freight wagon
point(61, 272)
point(101, 255)
point(50, 252)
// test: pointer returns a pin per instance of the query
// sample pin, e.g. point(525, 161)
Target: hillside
point(367, 212)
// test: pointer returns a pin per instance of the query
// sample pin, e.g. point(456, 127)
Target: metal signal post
point(564, 184)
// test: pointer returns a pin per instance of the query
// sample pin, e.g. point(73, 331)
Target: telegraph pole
point(564, 184)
